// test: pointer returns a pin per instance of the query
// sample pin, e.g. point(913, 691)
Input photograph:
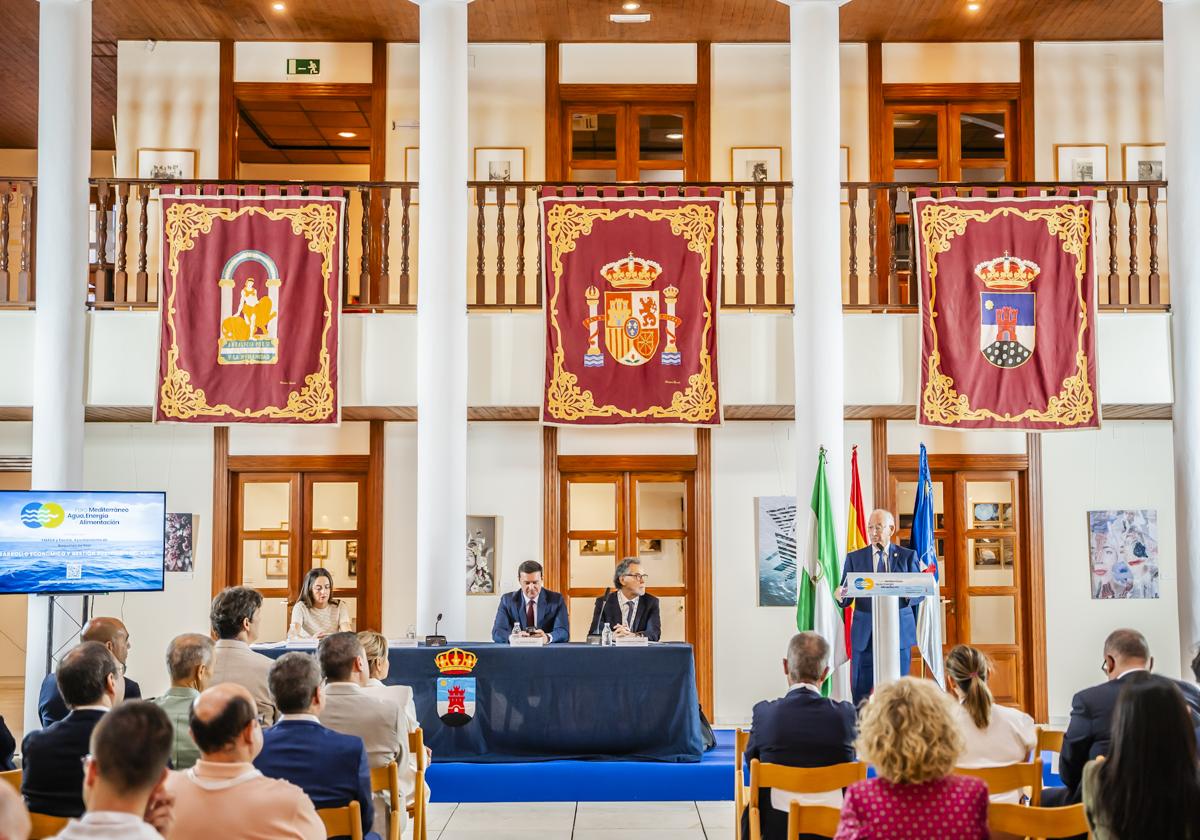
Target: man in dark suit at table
point(532, 610)
point(628, 610)
point(111, 633)
point(879, 556)
point(800, 729)
point(1089, 731)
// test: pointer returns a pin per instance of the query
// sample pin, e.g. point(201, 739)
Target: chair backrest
point(1008, 777)
point(820, 820)
point(740, 739)
point(1049, 739)
point(416, 748)
point(13, 777)
point(387, 779)
point(803, 779)
point(45, 825)
point(1025, 821)
point(342, 822)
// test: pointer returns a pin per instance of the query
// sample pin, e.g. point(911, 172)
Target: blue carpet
point(587, 781)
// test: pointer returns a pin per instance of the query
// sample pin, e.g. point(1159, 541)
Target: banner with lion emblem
point(1008, 313)
point(250, 299)
point(631, 310)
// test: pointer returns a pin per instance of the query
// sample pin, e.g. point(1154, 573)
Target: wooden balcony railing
point(504, 261)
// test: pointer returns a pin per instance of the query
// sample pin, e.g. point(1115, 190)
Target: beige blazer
point(401, 695)
point(235, 662)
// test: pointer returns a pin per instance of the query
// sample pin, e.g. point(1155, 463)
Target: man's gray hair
point(293, 681)
point(807, 656)
point(186, 653)
point(623, 569)
point(1127, 643)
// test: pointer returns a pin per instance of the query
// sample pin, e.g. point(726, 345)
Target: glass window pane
point(989, 504)
point(340, 557)
point(993, 620)
point(982, 135)
point(593, 136)
point(674, 624)
point(265, 505)
point(906, 500)
point(663, 176)
point(593, 507)
point(272, 627)
point(915, 136)
point(335, 505)
point(984, 174)
point(991, 561)
point(352, 608)
point(662, 560)
point(265, 563)
point(660, 506)
point(594, 176)
point(660, 136)
point(592, 562)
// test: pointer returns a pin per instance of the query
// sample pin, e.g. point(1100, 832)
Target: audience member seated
point(800, 729)
point(907, 732)
point(1148, 785)
point(124, 777)
point(8, 746)
point(89, 678)
point(378, 721)
point(14, 816)
point(1125, 652)
point(995, 735)
point(109, 632)
point(330, 767)
point(236, 613)
point(317, 613)
point(375, 646)
point(189, 662)
point(223, 796)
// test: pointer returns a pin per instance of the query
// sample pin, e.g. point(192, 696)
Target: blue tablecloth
point(562, 701)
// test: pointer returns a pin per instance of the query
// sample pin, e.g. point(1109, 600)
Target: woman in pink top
point(906, 731)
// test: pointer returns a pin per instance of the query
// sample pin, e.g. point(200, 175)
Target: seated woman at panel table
point(318, 613)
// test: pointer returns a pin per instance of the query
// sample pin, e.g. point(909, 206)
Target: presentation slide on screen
point(81, 542)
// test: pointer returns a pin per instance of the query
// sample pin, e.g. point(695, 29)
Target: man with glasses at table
point(630, 611)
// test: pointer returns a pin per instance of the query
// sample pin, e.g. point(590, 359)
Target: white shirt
point(1009, 737)
point(621, 602)
point(95, 708)
point(109, 825)
point(781, 800)
point(301, 716)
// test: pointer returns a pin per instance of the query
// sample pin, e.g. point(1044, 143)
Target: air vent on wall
point(642, 18)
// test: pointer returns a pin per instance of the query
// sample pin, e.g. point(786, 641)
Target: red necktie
point(529, 615)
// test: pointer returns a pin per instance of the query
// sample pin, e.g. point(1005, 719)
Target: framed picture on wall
point(775, 550)
point(1144, 162)
point(166, 164)
point(991, 515)
point(320, 549)
point(756, 164)
point(351, 558)
point(482, 554)
point(277, 567)
point(501, 164)
point(1123, 553)
point(1081, 162)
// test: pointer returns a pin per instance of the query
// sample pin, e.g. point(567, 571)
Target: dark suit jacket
point(51, 764)
point(646, 619)
point(551, 616)
point(328, 766)
point(1089, 732)
point(900, 560)
point(52, 709)
point(800, 729)
point(8, 745)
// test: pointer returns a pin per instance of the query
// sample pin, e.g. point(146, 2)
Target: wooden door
point(628, 140)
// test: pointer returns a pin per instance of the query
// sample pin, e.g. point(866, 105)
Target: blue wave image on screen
point(103, 567)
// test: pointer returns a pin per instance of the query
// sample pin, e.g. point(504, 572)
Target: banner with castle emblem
point(1008, 313)
point(249, 305)
point(631, 310)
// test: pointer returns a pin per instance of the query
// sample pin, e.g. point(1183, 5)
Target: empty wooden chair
point(1027, 821)
point(13, 777)
point(1009, 777)
point(416, 811)
point(387, 779)
point(740, 738)
point(45, 825)
point(342, 822)
point(821, 820)
point(797, 780)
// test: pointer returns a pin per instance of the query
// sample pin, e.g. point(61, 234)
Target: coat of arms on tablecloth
point(455, 694)
point(1006, 328)
point(633, 319)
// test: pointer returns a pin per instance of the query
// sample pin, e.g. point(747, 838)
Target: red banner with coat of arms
point(1008, 313)
point(631, 310)
point(250, 298)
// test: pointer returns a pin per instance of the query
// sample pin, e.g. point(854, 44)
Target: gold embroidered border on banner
point(565, 224)
point(1075, 403)
point(312, 402)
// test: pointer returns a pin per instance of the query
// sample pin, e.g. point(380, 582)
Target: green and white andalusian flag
point(820, 574)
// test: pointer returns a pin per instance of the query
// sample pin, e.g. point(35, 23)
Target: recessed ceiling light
point(631, 6)
point(974, 7)
point(999, 135)
point(347, 134)
point(642, 17)
point(674, 135)
point(279, 7)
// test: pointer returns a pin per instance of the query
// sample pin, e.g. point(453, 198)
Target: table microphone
point(594, 635)
point(435, 640)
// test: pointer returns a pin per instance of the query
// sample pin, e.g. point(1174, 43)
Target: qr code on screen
point(74, 571)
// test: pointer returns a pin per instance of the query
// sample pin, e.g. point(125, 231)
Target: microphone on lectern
point(594, 634)
point(435, 640)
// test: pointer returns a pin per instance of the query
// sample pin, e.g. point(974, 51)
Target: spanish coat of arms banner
point(1008, 313)
point(249, 305)
point(631, 310)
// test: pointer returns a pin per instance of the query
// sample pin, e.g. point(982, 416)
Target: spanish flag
point(856, 533)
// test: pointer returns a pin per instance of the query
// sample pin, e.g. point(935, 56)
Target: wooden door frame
point(1031, 629)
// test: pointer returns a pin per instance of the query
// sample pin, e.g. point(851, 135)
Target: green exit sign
point(304, 66)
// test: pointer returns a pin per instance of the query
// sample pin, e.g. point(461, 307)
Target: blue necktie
point(629, 614)
point(882, 563)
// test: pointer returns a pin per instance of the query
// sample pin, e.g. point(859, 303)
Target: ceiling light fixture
point(279, 7)
point(631, 6)
point(999, 135)
point(347, 134)
point(974, 7)
point(643, 17)
point(674, 135)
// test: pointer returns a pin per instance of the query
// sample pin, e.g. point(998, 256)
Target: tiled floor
point(580, 821)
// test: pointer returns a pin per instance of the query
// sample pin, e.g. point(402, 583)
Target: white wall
point(266, 61)
point(959, 62)
point(629, 64)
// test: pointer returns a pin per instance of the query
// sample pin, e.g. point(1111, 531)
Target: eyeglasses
point(640, 576)
point(84, 760)
point(262, 721)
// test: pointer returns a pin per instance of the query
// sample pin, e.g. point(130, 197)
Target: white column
point(816, 250)
point(64, 161)
point(442, 321)
point(1181, 79)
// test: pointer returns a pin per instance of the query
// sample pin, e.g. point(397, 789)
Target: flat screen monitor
point(81, 543)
